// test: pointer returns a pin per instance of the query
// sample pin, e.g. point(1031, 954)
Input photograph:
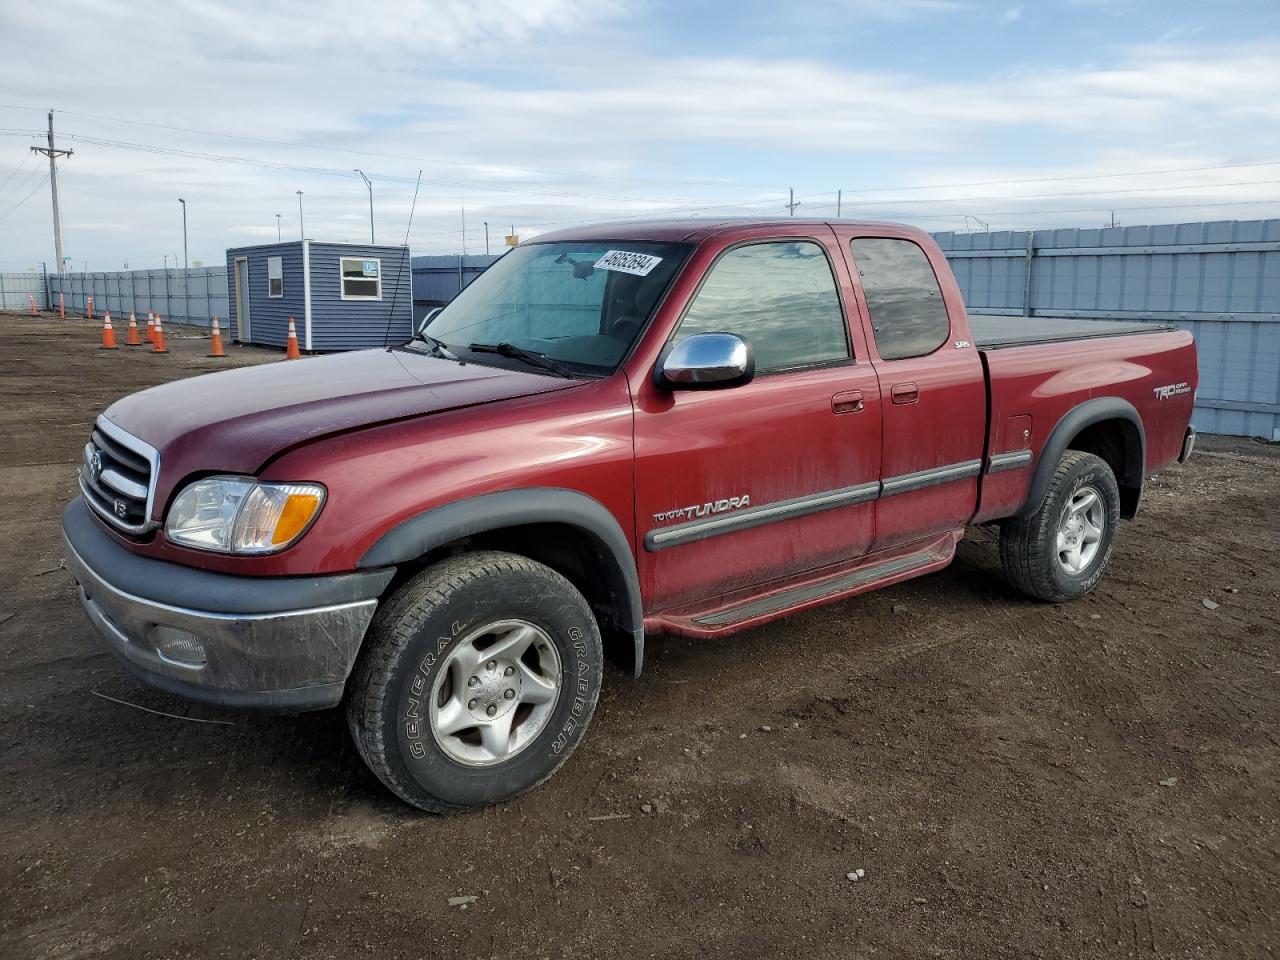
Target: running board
point(846, 582)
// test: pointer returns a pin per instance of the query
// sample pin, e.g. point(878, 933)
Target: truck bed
point(991, 332)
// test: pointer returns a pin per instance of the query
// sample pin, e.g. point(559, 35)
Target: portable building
point(341, 296)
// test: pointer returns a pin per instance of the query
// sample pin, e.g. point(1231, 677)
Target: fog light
point(178, 647)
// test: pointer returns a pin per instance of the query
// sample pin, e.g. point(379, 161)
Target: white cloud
point(550, 112)
point(1011, 14)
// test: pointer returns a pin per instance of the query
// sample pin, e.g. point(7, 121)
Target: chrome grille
point(118, 477)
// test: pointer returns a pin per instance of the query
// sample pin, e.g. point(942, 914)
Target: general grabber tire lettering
point(1061, 550)
point(477, 680)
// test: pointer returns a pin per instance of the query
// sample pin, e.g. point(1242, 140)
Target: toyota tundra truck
point(618, 431)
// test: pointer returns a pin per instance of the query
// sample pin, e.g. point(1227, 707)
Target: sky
point(960, 115)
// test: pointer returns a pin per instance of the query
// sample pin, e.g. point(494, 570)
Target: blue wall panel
point(1218, 279)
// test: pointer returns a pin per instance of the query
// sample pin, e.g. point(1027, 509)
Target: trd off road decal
point(1171, 390)
point(703, 509)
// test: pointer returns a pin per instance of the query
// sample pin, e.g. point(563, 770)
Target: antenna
point(400, 270)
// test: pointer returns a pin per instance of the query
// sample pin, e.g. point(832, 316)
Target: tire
point(1029, 546)
point(426, 669)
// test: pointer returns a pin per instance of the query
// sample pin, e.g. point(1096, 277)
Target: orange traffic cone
point(133, 340)
point(108, 335)
point(151, 327)
point(216, 337)
point(291, 350)
point(157, 345)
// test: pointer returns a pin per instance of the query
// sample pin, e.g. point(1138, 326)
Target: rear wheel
point(477, 681)
point(1062, 550)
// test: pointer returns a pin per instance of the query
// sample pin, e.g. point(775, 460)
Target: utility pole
point(486, 238)
point(52, 152)
point(277, 228)
point(301, 229)
point(185, 263)
point(793, 202)
point(370, 186)
point(839, 201)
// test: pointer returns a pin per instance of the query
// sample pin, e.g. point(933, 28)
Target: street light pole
point(301, 230)
point(277, 228)
point(185, 264)
point(368, 184)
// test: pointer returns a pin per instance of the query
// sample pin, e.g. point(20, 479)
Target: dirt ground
point(1100, 779)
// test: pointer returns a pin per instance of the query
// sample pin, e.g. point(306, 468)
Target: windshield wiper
point(505, 349)
point(437, 347)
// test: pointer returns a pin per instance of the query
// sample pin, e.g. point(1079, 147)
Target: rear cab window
point(908, 314)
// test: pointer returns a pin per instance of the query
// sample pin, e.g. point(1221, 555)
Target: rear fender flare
point(418, 535)
point(1068, 428)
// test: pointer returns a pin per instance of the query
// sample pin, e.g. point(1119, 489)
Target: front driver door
point(740, 486)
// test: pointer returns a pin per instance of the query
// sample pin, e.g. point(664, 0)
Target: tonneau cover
point(992, 332)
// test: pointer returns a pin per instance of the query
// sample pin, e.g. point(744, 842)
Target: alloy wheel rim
point(1080, 531)
point(495, 692)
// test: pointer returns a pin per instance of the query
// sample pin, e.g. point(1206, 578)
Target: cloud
point(545, 111)
point(1010, 15)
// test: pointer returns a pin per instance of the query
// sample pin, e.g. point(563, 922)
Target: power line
point(1055, 196)
point(25, 158)
point(34, 190)
point(366, 153)
point(522, 190)
point(21, 184)
point(1083, 176)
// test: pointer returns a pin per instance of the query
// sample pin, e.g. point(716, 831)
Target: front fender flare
point(417, 535)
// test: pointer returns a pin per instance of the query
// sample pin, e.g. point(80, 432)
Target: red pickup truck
point(615, 431)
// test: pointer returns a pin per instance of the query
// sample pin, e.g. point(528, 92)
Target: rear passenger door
point(934, 394)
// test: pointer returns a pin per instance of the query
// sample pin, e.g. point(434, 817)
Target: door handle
point(850, 401)
point(905, 393)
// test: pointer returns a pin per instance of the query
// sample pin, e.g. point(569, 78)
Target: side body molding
point(419, 534)
point(1078, 418)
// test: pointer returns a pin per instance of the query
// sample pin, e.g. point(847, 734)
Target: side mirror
point(706, 361)
point(426, 320)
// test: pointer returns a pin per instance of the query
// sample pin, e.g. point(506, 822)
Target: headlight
point(240, 515)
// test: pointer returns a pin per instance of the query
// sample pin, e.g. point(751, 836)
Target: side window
point(275, 276)
point(361, 278)
point(778, 296)
point(908, 315)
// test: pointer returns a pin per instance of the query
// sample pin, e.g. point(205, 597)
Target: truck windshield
point(580, 305)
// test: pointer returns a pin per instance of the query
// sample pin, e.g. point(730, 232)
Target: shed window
point(361, 278)
point(275, 276)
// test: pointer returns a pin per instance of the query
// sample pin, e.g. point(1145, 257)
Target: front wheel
point(477, 681)
point(1061, 550)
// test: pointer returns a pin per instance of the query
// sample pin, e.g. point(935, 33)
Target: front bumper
point(284, 644)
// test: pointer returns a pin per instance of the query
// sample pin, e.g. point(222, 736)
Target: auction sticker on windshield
point(640, 264)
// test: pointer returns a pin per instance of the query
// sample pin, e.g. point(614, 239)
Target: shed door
point(243, 326)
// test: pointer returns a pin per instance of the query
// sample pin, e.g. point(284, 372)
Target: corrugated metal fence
point(15, 288)
point(181, 296)
point(1220, 280)
point(437, 279)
